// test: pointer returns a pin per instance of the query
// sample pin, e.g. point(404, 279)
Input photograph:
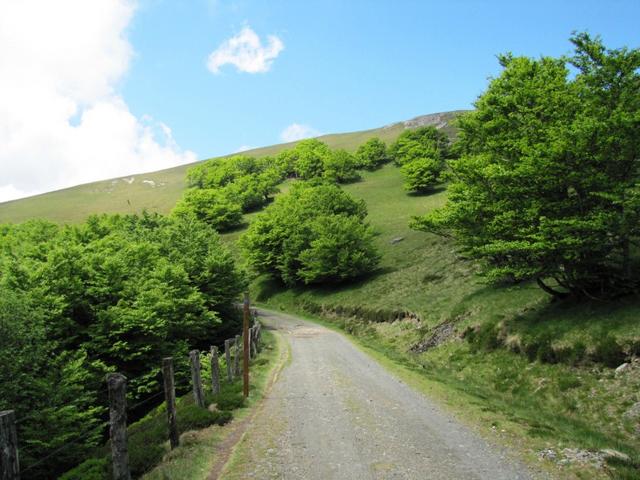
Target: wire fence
point(118, 408)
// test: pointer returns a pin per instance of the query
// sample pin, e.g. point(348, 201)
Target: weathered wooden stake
point(9, 462)
point(236, 357)
point(251, 350)
point(170, 399)
point(245, 347)
point(254, 341)
point(256, 328)
point(117, 385)
point(227, 356)
point(215, 371)
point(196, 378)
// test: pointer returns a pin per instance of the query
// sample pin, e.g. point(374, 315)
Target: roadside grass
point(201, 430)
point(195, 458)
point(528, 406)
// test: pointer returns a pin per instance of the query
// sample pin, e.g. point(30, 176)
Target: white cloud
point(297, 131)
point(62, 120)
point(246, 52)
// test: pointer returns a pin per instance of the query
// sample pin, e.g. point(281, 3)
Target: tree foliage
point(421, 154)
point(222, 189)
point(340, 167)
point(222, 209)
point(113, 294)
point(315, 234)
point(547, 184)
point(372, 154)
point(421, 174)
point(309, 158)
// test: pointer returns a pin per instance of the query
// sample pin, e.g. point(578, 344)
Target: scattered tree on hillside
point(221, 189)
point(421, 154)
point(315, 234)
point(418, 143)
point(372, 154)
point(309, 158)
point(548, 186)
point(421, 174)
point(340, 167)
point(219, 208)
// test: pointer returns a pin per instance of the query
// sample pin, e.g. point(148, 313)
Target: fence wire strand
point(66, 445)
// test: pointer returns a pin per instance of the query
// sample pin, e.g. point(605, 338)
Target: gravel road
point(334, 413)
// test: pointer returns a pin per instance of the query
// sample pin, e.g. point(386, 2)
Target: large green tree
point(372, 154)
point(421, 154)
point(340, 167)
point(117, 293)
point(547, 184)
point(315, 234)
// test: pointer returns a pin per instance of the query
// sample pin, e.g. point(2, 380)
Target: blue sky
point(345, 65)
point(100, 89)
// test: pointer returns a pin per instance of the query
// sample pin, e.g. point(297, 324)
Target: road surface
point(334, 413)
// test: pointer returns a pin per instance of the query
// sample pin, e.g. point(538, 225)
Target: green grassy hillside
point(528, 371)
point(507, 358)
point(159, 191)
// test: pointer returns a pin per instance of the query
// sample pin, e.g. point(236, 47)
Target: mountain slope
point(159, 191)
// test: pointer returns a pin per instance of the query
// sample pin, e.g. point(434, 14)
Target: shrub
point(222, 212)
point(193, 417)
point(372, 154)
point(422, 142)
point(340, 167)
point(92, 469)
point(421, 174)
point(315, 234)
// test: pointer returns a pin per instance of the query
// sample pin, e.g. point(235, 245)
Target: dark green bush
point(230, 398)
point(193, 417)
point(92, 469)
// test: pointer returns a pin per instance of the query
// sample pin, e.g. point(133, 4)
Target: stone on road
point(334, 413)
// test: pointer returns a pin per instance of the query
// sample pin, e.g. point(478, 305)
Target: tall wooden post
point(245, 346)
point(117, 385)
point(227, 357)
point(215, 371)
point(196, 378)
point(9, 462)
point(170, 399)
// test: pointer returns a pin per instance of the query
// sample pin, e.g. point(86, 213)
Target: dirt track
point(334, 413)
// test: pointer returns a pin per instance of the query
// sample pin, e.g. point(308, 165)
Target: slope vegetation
point(535, 372)
point(159, 191)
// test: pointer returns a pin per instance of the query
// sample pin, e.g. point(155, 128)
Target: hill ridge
point(159, 190)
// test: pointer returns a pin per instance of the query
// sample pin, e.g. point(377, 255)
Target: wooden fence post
point(196, 378)
point(245, 347)
point(254, 344)
point(236, 358)
point(117, 385)
point(256, 334)
point(227, 356)
point(170, 399)
point(215, 371)
point(9, 462)
point(251, 350)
